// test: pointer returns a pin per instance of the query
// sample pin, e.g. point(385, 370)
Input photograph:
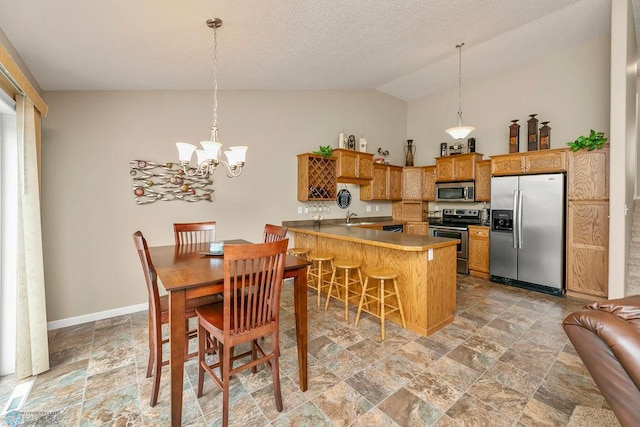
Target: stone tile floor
point(504, 361)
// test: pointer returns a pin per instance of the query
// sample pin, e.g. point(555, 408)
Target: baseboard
point(92, 317)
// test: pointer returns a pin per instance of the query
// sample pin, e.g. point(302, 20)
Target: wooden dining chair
point(274, 232)
point(159, 315)
point(194, 232)
point(253, 276)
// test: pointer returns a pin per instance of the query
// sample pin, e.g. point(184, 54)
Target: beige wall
point(88, 206)
point(89, 138)
point(569, 88)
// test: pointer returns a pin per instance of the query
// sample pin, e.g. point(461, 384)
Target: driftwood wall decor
point(167, 181)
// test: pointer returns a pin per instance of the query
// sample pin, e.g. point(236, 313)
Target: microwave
point(455, 191)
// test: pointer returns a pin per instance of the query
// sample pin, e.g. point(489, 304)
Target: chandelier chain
point(214, 123)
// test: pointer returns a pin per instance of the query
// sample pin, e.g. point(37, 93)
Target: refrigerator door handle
point(514, 226)
point(520, 219)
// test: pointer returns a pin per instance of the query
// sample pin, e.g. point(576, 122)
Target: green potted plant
point(324, 151)
point(591, 142)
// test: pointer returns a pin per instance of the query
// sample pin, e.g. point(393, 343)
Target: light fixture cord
point(214, 124)
point(460, 83)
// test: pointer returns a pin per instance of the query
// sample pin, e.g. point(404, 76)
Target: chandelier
point(208, 157)
point(459, 131)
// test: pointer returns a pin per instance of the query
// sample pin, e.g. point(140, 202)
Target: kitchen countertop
point(385, 239)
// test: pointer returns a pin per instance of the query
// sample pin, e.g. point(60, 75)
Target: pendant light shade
point(459, 131)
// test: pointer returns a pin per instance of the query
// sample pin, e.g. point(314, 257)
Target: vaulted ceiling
point(405, 48)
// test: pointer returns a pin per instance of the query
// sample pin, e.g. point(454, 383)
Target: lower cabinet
point(479, 251)
point(588, 247)
point(421, 228)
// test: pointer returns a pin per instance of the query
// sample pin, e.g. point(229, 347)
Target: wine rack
point(316, 178)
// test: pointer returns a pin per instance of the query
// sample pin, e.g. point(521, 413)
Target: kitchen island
point(426, 267)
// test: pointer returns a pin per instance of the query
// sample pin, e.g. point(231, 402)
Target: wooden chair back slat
point(194, 232)
point(253, 280)
point(274, 232)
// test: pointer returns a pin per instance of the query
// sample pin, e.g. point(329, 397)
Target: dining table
point(190, 271)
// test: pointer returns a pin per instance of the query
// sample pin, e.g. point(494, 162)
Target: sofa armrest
point(627, 308)
point(610, 349)
point(621, 337)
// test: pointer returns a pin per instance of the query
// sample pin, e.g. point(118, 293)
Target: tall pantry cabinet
point(588, 223)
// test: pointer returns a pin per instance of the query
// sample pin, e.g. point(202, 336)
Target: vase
point(532, 133)
point(514, 136)
point(409, 151)
point(545, 136)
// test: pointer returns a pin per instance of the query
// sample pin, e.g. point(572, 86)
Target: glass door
point(8, 234)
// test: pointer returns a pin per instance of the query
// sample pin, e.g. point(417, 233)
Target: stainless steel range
point(455, 225)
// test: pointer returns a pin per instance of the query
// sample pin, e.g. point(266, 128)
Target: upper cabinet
point(412, 183)
point(483, 181)
point(395, 182)
point(353, 167)
point(459, 167)
point(542, 161)
point(429, 183)
point(589, 174)
point(386, 183)
point(316, 178)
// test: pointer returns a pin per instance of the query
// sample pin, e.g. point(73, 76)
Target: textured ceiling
point(402, 47)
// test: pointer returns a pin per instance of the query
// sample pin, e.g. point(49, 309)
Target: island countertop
point(385, 239)
point(426, 267)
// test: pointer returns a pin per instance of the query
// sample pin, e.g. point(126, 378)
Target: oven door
point(462, 253)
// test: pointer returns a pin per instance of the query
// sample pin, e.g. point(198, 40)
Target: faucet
point(349, 215)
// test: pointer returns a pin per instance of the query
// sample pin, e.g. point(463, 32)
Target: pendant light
point(209, 157)
point(459, 132)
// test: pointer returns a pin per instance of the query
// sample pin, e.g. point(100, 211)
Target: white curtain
point(32, 349)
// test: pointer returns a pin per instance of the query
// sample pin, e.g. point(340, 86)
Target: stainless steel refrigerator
point(527, 232)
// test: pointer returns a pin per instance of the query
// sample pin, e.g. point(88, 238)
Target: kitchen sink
point(351, 224)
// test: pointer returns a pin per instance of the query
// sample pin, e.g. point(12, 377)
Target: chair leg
point(360, 277)
point(202, 338)
point(275, 370)
point(333, 278)
point(254, 355)
point(382, 308)
point(186, 344)
point(364, 291)
point(310, 281)
point(221, 358)
point(346, 294)
point(157, 371)
point(226, 358)
point(320, 276)
point(152, 346)
point(395, 286)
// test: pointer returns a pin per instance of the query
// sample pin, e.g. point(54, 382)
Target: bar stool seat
point(380, 295)
point(299, 252)
point(347, 286)
point(321, 266)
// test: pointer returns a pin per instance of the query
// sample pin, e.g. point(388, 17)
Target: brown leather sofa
point(606, 335)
